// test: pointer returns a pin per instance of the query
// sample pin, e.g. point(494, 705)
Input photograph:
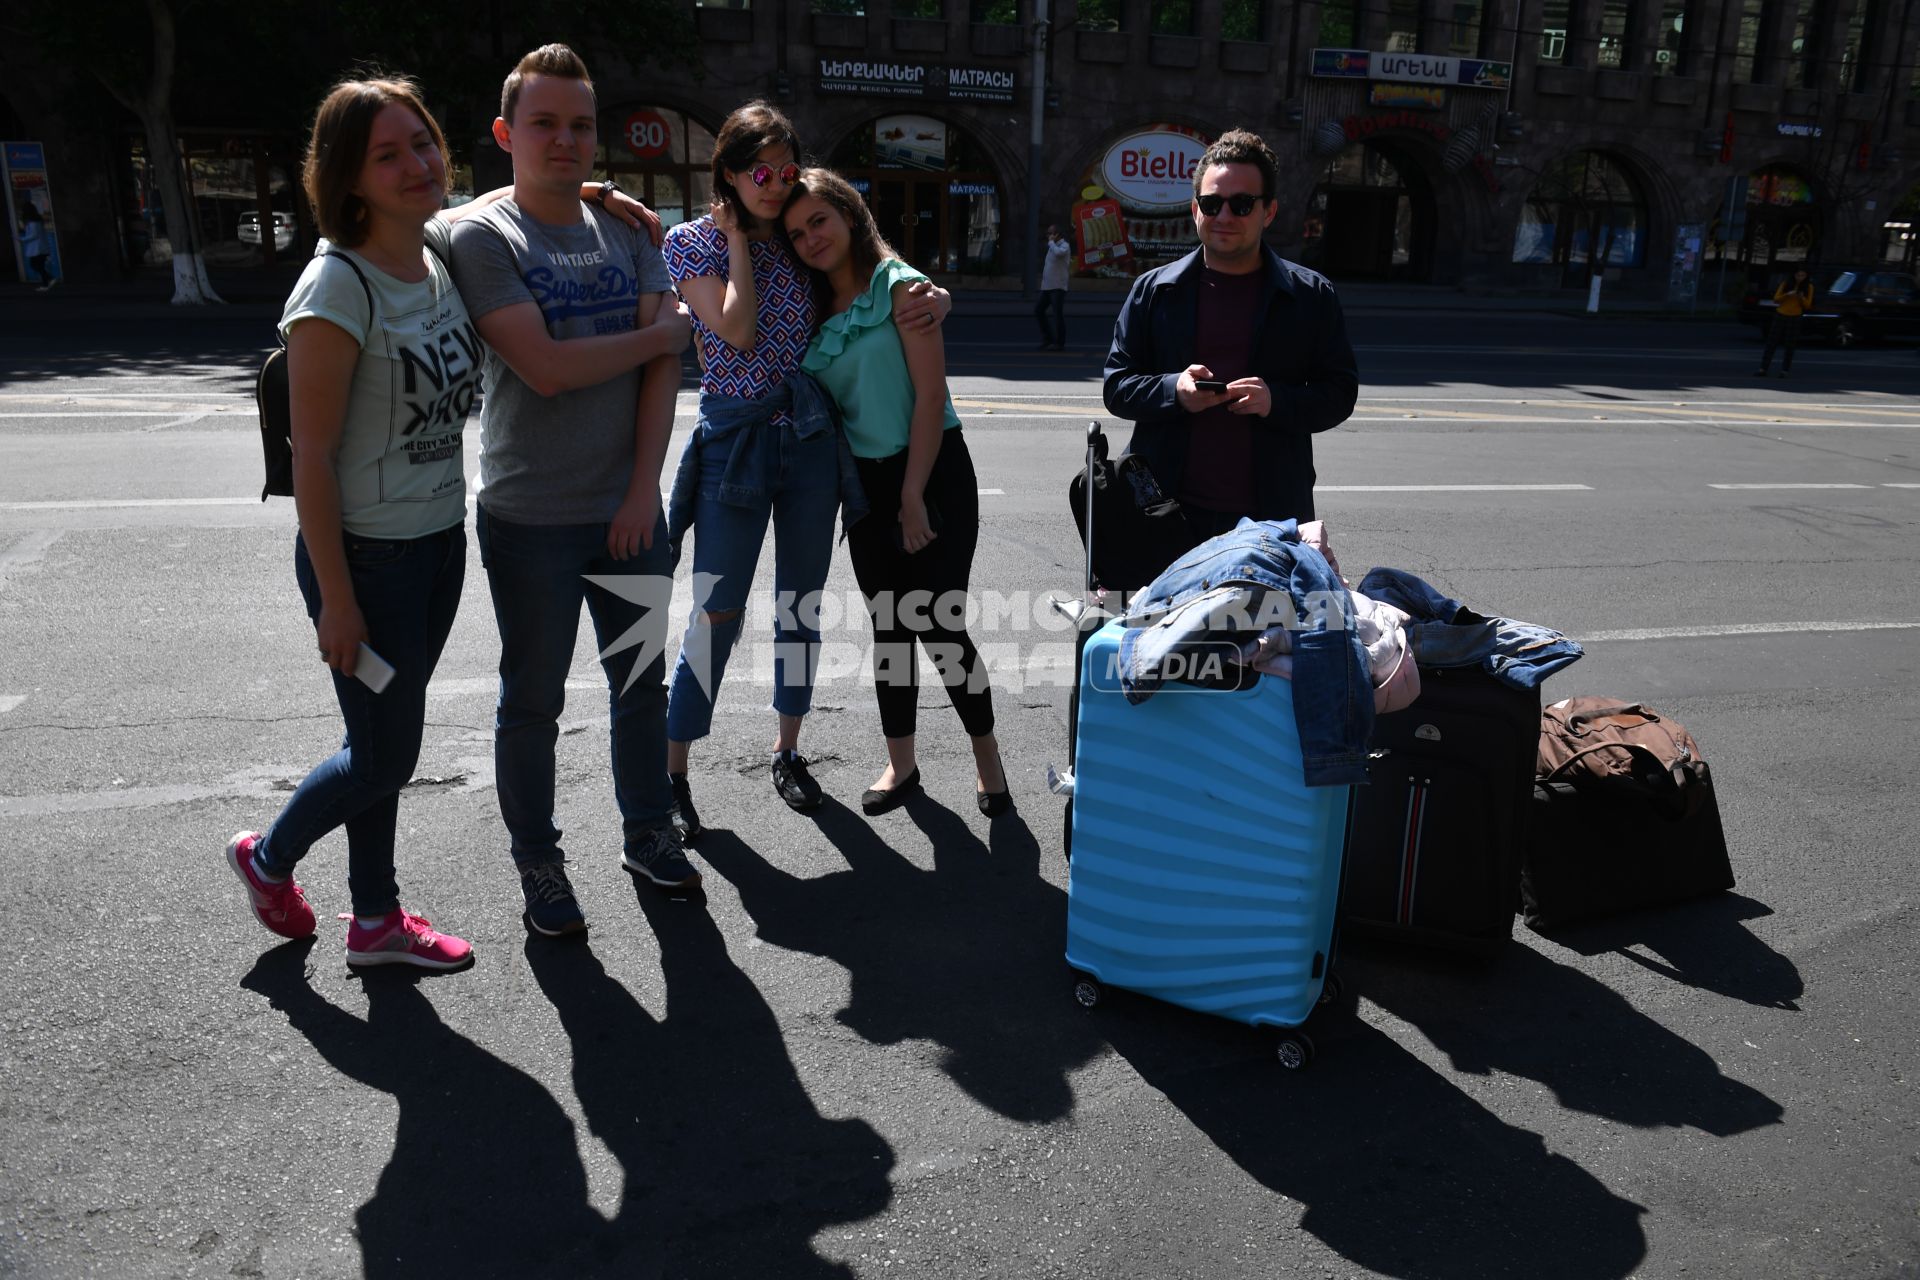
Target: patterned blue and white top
point(784, 323)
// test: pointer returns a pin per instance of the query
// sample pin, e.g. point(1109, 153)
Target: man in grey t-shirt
point(583, 366)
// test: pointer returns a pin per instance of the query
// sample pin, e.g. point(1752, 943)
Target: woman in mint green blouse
point(891, 387)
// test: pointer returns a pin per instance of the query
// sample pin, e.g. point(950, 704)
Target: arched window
point(1582, 207)
point(933, 190)
point(1371, 216)
point(661, 155)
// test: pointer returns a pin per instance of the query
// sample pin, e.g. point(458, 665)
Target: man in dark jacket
point(1233, 312)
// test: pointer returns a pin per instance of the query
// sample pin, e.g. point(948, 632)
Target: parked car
point(1851, 304)
point(283, 229)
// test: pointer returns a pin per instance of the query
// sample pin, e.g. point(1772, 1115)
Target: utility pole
point(1042, 31)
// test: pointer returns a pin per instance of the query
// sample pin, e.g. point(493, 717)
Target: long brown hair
point(337, 151)
point(869, 247)
point(744, 134)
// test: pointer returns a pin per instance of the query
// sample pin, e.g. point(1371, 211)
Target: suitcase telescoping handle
point(1096, 454)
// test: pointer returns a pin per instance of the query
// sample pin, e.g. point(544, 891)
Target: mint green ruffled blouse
point(857, 357)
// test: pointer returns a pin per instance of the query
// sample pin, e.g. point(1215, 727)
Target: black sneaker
point(551, 907)
point(793, 783)
point(657, 856)
point(686, 820)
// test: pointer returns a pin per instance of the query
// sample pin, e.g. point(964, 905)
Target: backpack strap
point(365, 286)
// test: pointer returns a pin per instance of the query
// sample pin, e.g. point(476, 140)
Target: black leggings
point(941, 569)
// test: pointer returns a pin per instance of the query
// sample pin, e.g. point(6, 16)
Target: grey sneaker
point(551, 907)
point(658, 856)
point(794, 784)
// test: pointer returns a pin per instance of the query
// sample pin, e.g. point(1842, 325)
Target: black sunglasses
point(1241, 204)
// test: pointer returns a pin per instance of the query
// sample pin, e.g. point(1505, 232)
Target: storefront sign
point(1152, 171)
point(1797, 129)
point(972, 189)
point(1420, 68)
point(647, 135)
point(1341, 62)
point(1421, 97)
point(1358, 127)
point(894, 79)
point(980, 84)
point(23, 176)
point(917, 80)
point(1412, 68)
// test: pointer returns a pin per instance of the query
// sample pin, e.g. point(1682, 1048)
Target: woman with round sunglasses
point(889, 380)
point(766, 448)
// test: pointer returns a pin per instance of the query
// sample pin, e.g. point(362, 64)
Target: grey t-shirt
point(563, 459)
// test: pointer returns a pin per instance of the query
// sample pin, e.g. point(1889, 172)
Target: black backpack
point(274, 399)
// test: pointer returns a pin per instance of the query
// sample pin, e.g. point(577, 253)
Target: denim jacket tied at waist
point(1332, 692)
point(752, 470)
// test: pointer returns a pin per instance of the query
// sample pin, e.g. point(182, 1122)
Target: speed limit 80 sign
point(646, 134)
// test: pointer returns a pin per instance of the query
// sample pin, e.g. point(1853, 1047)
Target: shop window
point(1747, 42)
point(1171, 17)
point(1102, 15)
point(1803, 56)
point(1865, 17)
point(1243, 19)
point(1582, 208)
point(1463, 31)
point(1669, 53)
point(995, 13)
point(1615, 19)
point(1370, 218)
point(918, 9)
point(1783, 218)
point(1403, 26)
point(1337, 24)
point(1554, 16)
point(933, 191)
point(659, 155)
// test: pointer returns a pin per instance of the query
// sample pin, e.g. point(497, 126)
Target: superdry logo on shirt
point(593, 259)
point(564, 297)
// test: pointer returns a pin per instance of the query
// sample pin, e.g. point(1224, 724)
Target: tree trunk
point(190, 284)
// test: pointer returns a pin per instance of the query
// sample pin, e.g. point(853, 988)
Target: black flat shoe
point(878, 800)
point(994, 803)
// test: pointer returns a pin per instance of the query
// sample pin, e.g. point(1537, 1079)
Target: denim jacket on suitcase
point(1332, 691)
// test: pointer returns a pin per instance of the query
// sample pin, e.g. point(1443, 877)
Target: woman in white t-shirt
point(383, 365)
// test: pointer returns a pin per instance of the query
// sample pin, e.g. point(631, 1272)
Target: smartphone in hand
point(1213, 386)
point(372, 670)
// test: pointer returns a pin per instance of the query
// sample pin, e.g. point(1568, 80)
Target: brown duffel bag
point(1602, 741)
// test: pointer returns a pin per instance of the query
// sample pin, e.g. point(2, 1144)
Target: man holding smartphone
point(1230, 359)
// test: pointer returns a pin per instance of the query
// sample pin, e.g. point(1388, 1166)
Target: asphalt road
point(856, 1054)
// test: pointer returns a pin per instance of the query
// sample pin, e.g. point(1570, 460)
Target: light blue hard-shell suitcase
point(1204, 871)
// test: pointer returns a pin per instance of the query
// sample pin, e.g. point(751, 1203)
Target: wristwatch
point(607, 188)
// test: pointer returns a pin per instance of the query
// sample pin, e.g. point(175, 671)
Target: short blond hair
point(556, 60)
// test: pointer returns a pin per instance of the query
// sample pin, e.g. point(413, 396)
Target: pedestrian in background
point(381, 495)
point(35, 246)
point(1792, 300)
point(890, 383)
point(1053, 290)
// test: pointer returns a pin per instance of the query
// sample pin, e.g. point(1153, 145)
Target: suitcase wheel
point(1087, 990)
point(1330, 989)
point(1294, 1050)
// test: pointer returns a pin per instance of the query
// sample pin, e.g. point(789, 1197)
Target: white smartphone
point(372, 670)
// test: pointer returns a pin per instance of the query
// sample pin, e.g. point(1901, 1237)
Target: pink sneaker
point(404, 938)
point(282, 907)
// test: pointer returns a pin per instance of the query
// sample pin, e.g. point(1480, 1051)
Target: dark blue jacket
point(1300, 349)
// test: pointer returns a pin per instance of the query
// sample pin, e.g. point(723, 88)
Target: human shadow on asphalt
point(960, 955)
point(1703, 944)
point(729, 1168)
point(1393, 1167)
point(485, 1176)
point(1529, 1016)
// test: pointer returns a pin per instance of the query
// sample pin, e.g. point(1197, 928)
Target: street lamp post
point(1041, 32)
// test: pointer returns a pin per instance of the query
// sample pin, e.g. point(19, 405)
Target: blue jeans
point(408, 591)
point(537, 575)
point(726, 548)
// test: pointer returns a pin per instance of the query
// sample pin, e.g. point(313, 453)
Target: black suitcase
point(1437, 839)
point(1595, 850)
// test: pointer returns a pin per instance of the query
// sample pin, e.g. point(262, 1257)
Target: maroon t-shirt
point(1220, 444)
